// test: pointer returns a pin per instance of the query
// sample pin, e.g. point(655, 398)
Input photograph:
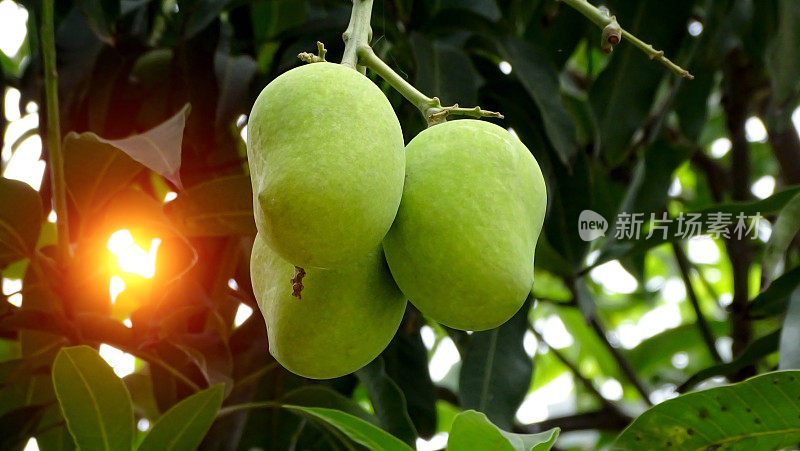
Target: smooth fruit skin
point(343, 320)
point(327, 165)
point(462, 245)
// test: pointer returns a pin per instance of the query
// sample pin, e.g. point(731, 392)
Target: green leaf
point(321, 396)
point(783, 231)
point(219, 207)
point(754, 352)
point(102, 16)
point(775, 298)
point(783, 53)
point(184, 425)
point(95, 403)
point(540, 79)
point(472, 430)
point(790, 334)
point(387, 401)
point(95, 171)
point(496, 371)
point(357, 429)
point(444, 71)
point(20, 220)
point(759, 413)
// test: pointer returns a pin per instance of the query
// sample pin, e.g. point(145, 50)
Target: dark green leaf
point(20, 220)
point(17, 426)
point(790, 334)
point(387, 401)
point(756, 351)
point(184, 425)
point(321, 396)
point(784, 230)
point(199, 13)
point(355, 428)
point(540, 80)
point(775, 298)
point(102, 16)
point(94, 401)
point(472, 430)
point(759, 413)
point(219, 207)
point(783, 55)
point(95, 170)
point(444, 71)
point(496, 371)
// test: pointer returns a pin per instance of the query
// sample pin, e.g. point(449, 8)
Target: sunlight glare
point(614, 278)
point(611, 389)
point(25, 164)
point(11, 106)
point(438, 441)
point(130, 256)
point(720, 147)
point(115, 286)
point(13, 22)
point(443, 359)
point(122, 362)
point(32, 445)
point(428, 337)
point(242, 313)
point(755, 130)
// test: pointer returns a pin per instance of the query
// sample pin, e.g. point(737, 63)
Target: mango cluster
point(352, 223)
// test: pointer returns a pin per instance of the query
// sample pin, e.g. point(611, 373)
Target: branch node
point(612, 35)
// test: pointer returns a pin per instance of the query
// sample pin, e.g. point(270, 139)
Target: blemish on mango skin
point(297, 282)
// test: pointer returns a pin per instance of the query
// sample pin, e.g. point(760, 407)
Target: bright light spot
point(535, 406)
point(554, 332)
point(438, 441)
point(11, 109)
point(654, 284)
point(32, 107)
point(143, 424)
point(611, 389)
point(675, 188)
point(115, 286)
point(505, 67)
point(11, 286)
point(720, 147)
point(120, 241)
point(628, 335)
point(513, 132)
point(662, 394)
point(16, 129)
point(694, 27)
point(122, 362)
point(13, 22)
point(130, 256)
point(530, 343)
point(244, 133)
point(170, 196)
point(613, 277)
point(724, 346)
point(443, 359)
point(24, 164)
point(702, 249)
point(428, 336)
point(725, 299)
point(763, 187)
point(674, 291)
point(796, 119)
point(755, 130)
point(658, 320)
point(15, 300)
point(713, 275)
point(680, 360)
point(242, 313)
point(241, 120)
point(592, 257)
point(32, 445)
point(52, 217)
point(604, 9)
point(764, 230)
point(127, 322)
point(233, 285)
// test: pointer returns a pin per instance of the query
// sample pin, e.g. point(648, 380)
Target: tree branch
point(702, 324)
point(601, 419)
point(602, 20)
point(47, 36)
point(623, 363)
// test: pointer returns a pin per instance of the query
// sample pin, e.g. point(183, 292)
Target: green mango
point(337, 322)
point(462, 245)
point(327, 165)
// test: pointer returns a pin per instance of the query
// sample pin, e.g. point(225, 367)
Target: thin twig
point(702, 324)
point(248, 406)
point(576, 372)
point(622, 362)
point(602, 20)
